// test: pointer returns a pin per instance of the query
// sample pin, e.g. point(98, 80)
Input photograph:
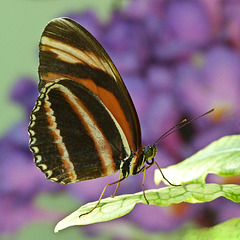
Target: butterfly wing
point(84, 122)
point(70, 135)
point(70, 51)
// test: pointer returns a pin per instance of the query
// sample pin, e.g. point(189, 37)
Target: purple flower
point(188, 22)
point(129, 54)
point(185, 27)
point(141, 9)
point(212, 83)
point(231, 17)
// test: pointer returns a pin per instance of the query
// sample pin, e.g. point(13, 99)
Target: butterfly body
point(84, 124)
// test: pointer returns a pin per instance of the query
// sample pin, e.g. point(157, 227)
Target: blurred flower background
point(178, 60)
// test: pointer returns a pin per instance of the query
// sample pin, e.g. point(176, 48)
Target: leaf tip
point(58, 227)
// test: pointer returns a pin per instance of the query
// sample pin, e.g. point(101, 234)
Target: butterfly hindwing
point(70, 126)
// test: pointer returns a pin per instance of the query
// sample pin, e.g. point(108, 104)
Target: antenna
point(183, 123)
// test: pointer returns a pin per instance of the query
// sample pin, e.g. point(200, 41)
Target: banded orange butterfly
point(84, 124)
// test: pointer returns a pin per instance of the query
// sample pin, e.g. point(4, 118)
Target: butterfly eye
point(150, 152)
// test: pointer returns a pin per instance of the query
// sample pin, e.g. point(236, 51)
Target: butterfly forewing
point(84, 122)
point(70, 51)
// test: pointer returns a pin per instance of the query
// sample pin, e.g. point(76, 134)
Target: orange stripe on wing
point(88, 83)
point(113, 105)
point(51, 77)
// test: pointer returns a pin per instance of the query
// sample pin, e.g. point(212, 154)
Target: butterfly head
point(149, 153)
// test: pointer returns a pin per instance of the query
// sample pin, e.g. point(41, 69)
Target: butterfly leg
point(144, 173)
point(165, 177)
point(115, 192)
point(100, 198)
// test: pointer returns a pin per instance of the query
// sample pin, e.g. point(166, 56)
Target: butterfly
point(84, 124)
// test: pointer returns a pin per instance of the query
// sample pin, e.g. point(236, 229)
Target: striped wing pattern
point(84, 124)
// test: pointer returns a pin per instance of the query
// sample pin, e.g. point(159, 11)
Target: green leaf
point(227, 230)
point(111, 208)
point(220, 157)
